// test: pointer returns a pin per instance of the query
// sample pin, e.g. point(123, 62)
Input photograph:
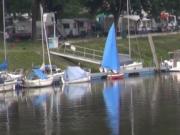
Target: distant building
point(22, 27)
point(75, 26)
point(136, 24)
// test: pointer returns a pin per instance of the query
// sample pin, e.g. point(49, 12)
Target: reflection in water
point(111, 95)
point(76, 91)
point(24, 105)
point(134, 106)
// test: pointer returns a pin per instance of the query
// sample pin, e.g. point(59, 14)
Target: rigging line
point(4, 28)
point(137, 41)
point(42, 33)
point(129, 41)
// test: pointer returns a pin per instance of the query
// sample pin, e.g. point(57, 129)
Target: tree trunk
point(1, 20)
point(34, 18)
point(116, 20)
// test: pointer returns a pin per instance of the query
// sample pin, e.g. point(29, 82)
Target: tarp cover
point(4, 65)
point(74, 72)
point(37, 74)
point(40, 74)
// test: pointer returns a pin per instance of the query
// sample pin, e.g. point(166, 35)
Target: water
point(134, 106)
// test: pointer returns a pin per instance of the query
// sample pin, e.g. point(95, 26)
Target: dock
point(83, 54)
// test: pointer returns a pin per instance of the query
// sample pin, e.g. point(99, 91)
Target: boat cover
point(37, 74)
point(73, 73)
point(4, 65)
point(40, 74)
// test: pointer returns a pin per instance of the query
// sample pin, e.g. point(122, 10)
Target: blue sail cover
point(111, 96)
point(110, 56)
point(37, 74)
point(74, 73)
point(4, 65)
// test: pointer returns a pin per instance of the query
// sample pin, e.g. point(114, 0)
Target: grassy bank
point(140, 47)
point(24, 54)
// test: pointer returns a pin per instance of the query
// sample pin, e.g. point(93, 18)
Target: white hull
point(7, 86)
point(175, 69)
point(38, 83)
point(56, 76)
point(84, 79)
point(134, 66)
point(169, 64)
point(15, 76)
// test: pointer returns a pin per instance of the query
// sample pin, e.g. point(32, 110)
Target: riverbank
point(25, 54)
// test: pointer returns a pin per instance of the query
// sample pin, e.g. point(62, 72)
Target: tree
point(114, 7)
point(1, 18)
point(18, 6)
point(154, 7)
point(35, 4)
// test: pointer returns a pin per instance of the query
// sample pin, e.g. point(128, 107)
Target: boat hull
point(56, 76)
point(84, 79)
point(117, 76)
point(139, 72)
point(7, 86)
point(132, 67)
point(37, 83)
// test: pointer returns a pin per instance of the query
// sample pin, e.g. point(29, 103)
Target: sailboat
point(110, 62)
point(6, 82)
point(49, 69)
point(37, 77)
point(134, 66)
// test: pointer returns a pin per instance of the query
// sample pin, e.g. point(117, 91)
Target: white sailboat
point(135, 65)
point(6, 82)
point(49, 69)
point(173, 64)
point(37, 77)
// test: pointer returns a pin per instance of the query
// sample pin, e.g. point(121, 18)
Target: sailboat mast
point(129, 41)
point(4, 29)
point(42, 33)
point(47, 46)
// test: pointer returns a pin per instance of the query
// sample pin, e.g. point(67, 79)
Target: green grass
point(140, 47)
point(24, 54)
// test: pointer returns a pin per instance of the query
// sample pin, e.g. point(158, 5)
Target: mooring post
point(155, 59)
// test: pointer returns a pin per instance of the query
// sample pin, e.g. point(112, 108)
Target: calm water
point(134, 106)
